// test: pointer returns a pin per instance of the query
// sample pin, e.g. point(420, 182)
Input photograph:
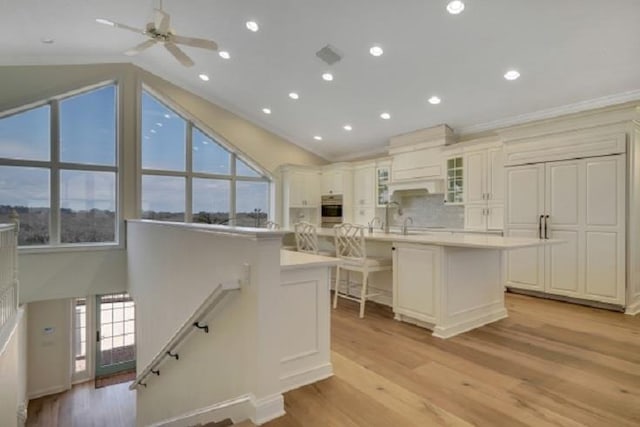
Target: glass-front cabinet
point(383, 174)
point(455, 180)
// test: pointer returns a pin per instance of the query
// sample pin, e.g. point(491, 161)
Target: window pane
point(27, 191)
point(252, 203)
point(208, 156)
point(163, 198)
point(163, 136)
point(243, 169)
point(26, 135)
point(87, 206)
point(88, 127)
point(211, 201)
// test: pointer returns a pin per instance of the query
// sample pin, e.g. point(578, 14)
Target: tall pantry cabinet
point(580, 201)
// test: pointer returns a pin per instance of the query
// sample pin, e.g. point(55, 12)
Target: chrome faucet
point(386, 214)
point(404, 225)
point(373, 222)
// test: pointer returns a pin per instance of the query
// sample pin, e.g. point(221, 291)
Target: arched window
point(188, 175)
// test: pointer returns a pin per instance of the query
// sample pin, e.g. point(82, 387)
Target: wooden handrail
point(191, 324)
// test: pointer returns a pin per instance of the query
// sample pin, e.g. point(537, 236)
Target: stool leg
point(335, 293)
point(363, 292)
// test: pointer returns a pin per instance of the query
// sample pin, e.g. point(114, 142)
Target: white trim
point(371, 154)
point(448, 331)
point(309, 376)
point(267, 408)
point(234, 408)
point(554, 112)
point(633, 308)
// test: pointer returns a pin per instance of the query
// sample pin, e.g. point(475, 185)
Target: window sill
point(78, 247)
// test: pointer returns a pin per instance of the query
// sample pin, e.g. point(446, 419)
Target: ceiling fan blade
point(195, 42)
point(128, 27)
point(179, 54)
point(162, 21)
point(142, 46)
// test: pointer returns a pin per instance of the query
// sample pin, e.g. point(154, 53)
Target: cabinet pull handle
point(540, 226)
point(546, 227)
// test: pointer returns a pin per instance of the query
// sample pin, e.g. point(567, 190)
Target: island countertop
point(478, 241)
point(290, 260)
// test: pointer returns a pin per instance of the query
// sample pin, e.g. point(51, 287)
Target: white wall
point(13, 375)
point(49, 352)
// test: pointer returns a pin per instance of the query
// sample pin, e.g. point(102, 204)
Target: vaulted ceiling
point(571, 54)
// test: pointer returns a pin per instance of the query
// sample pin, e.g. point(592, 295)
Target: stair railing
point(8, 272)
point(193, 323)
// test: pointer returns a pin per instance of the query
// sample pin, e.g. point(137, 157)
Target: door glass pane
point(163, 198)
point(27, 191)
point(88, 206)
point(163, 136)
point(116, 347)
point(243, 169)
point(211, 199)
point(208, 156)
point(88, 127)
point(80, 336)
point(26, 135)
point(252, 203)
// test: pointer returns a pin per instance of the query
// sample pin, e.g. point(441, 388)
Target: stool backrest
point(349, 240)
point(306, 237)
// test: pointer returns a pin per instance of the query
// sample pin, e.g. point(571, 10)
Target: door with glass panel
point(115, 334)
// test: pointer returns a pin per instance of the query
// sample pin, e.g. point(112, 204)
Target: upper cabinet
point(454, 192)
point(301, 188)
point(382, 180)
point(332, 182)
point(364, 185)
point(484, 189)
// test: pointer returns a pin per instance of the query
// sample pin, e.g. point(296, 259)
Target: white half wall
point(13, 374)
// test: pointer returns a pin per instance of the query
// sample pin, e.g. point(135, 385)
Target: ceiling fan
point(159, 31)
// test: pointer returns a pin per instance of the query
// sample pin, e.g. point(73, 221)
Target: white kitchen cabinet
point(364, 185)
point(581, 202)
point(416, 279)
point(304, 189)
point(333, 181)
point(484, 189)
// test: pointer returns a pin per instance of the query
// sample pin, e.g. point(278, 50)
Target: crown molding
point(361, 155)
point(578, 107)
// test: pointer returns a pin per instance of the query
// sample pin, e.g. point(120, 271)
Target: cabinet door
point(475, 217)
point(475, 177)
point(416, 279)
point(296, 183)
point(525, 204)
point(495, 175)
point(332, 182)
point(311, 189)
point(495, 219)
point(564, 263)
point(364, 183)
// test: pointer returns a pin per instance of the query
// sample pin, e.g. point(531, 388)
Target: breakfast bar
point(449, 283)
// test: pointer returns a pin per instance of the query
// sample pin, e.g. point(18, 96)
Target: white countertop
point(290, 260)
point(480, 241)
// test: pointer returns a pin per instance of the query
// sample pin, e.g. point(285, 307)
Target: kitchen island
point(447, 283)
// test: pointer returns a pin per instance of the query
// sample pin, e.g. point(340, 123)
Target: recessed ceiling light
point(347, 127)
point(455, 7)
point(511, 75)
point(105, 22)
point(266, 110)
point(317, 138)
point(224, 54)
point(294, 95)
point(434, 100)
point(204, 77)
point(47, 40)
point(252, 26)
point(327, 77)
point(376, 51)
point(385, 116)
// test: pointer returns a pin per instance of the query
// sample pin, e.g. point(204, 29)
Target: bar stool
point(307, 239)
point(351, 250)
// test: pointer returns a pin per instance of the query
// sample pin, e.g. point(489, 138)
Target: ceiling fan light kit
point(159, 31)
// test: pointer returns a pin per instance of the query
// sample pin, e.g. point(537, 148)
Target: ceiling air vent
point(329, 55)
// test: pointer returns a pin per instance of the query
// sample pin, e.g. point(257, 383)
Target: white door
point(524, 208)
point(475, 177)
point(604, 229)
point(564, 198)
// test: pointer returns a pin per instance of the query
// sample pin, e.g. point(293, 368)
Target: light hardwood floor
point(548, 364)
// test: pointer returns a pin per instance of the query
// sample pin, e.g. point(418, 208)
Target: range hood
point(431, 186)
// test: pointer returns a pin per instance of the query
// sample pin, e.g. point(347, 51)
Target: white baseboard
point(633, 308)
point(47, 391)
point(267, 408)
point(237, 409)
point(309, 376)
point(466, 325)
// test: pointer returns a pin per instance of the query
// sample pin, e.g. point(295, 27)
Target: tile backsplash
point(429, 210)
